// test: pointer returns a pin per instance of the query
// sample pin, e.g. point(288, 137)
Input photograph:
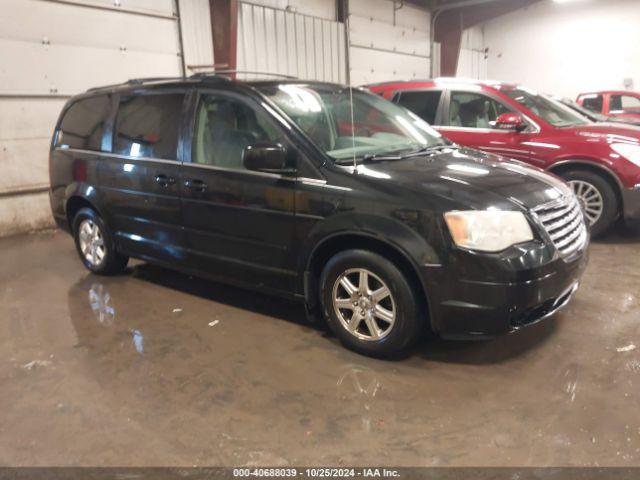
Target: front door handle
point(197, 185)
point(164, 181)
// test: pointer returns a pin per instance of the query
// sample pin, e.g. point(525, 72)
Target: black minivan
point(317, 192)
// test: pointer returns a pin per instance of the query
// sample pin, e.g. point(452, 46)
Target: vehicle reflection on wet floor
point(155, 367)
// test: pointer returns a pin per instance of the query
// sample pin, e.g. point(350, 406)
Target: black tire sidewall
point(112, 262)
point(408, 318)
point(610, 201)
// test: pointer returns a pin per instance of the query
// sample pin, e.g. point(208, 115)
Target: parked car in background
point(600, 161)
point(320, 193)
point(593, 116)
point(621, 105)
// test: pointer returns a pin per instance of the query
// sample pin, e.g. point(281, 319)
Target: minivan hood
point(471, 179)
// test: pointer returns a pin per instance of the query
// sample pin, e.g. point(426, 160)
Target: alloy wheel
point(91, 242)
point(590, 199)
point(364, 304)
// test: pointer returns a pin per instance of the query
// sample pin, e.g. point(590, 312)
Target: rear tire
point(95, 244)
point(597, 197)
point(369, 304)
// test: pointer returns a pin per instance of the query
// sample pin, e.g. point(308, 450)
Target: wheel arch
point(601, 170)
point(74, 204)
point(334, 244)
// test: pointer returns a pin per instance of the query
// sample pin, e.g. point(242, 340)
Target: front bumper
point(464, 308)
point(631, 203)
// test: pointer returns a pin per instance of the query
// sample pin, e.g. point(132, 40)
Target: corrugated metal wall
point(278, 41)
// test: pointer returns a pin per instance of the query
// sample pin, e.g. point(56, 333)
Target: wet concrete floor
point(157, 368)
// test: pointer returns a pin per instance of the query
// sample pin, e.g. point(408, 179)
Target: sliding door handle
point(164, 181)
point(197, 185)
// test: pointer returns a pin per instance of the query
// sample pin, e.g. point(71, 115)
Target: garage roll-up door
point(65, 47)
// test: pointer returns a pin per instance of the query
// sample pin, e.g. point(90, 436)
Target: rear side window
point(83, 124)
point(423, 104)
point(622, 103)
point(147, 126)
point(593, 103)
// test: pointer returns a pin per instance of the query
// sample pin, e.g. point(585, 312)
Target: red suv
point(601, 161)
point(623, 105)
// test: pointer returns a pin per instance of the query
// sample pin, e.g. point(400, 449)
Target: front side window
point(83, 124)
point(225, 127)
point(424, 104)
point(624, 104)
point(350, 124)
point(148, 126)
point(474, 110)
point(548, 110)
point(593, 103)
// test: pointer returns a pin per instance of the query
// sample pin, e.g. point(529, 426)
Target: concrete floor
point(156, 368)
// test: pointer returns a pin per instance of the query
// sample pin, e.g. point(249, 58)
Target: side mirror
point(510, 121)
point(267, 157)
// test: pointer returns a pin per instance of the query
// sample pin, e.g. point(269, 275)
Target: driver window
point(474, 110)
point(224, 128)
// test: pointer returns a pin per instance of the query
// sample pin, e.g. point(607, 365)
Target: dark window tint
point(593, 103)
point(147, 126)
point(225, 127)
point(474, 110)
point(622, 103)
point(423, 104)
point(83, 124)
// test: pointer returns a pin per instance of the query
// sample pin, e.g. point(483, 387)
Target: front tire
point(95, 244)
point(597, 198)
point(369, 304)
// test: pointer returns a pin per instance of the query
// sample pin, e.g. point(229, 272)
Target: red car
point(600, 160)
point(623, 105)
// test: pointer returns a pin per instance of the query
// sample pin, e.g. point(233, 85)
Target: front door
point(239, 223)
point(468, 119)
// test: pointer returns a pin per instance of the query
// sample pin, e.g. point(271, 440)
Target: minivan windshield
point(375, 127)
point(547, 109)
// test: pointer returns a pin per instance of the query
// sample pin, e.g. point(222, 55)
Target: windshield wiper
point(369, 157)
point(431, 149)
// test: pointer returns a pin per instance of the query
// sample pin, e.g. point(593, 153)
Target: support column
point(224, 31)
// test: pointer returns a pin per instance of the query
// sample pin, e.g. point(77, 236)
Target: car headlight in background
point(488, 230)
point(629, 151)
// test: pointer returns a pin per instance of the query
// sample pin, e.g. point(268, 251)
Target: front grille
point(564, 222)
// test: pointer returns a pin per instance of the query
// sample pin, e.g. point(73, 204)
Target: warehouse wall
point(280, 41)
point(472, 62)
point(566, 48)
point(387, 44)
point(384, 44)
point(51, 50)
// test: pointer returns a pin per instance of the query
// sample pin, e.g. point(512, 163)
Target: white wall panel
point(371, 66)
point(567, 48)
point(277, 41)
point(197, 43)
point(316, 8)
point(157, 7)
point(71, 48)
point(388, 41)
point(472, 62)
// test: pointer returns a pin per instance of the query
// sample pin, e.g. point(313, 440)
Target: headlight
point(629, 151)
point(488, 231)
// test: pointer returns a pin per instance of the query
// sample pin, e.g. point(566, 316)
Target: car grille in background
point(564, 222)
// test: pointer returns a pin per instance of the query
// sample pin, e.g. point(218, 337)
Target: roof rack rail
point(135, 81)
point(211, 70)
